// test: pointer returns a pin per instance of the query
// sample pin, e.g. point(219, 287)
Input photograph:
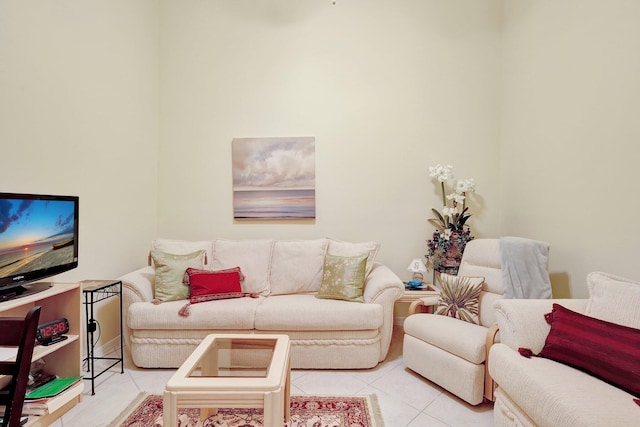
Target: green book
point(52, 388)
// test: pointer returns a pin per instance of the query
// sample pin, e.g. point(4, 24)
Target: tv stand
point(23, 290)
point(64, 358)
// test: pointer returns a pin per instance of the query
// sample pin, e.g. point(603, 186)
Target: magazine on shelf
point(51, 389)
point(46, 400)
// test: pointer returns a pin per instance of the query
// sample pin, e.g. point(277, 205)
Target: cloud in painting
point(7, 217)
point(273, 163)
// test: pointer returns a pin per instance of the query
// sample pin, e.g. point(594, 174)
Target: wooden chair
point(20, 332)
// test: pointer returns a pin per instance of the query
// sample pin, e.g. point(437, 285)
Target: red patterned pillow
point(606, 350)
point(207, 285)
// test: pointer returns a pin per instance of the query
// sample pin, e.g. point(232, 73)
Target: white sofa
point(324, 333)
point(537, 391)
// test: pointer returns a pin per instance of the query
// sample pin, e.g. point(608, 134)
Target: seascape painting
point(274, 178)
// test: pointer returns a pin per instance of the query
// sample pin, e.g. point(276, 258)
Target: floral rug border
point(333, 411)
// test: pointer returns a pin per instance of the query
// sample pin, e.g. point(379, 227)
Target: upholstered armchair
point(451, 352)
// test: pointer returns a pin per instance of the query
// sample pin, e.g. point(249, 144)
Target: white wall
point(79, 116)
point(133, 105)
point(570, 134)
point(387, 89)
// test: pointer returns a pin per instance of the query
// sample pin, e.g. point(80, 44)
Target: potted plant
point(446, 246)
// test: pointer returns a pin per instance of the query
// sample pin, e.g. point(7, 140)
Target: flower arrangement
point(452, 232)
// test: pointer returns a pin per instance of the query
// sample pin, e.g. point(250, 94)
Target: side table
point(425, 296)
point(94, 291)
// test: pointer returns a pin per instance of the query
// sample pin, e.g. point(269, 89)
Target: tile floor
point(406, 399)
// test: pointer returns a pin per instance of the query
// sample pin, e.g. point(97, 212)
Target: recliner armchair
point(451, 352)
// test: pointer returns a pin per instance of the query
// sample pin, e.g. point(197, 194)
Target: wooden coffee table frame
point(270, 392)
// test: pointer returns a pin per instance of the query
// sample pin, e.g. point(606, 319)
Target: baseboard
point(106, 348)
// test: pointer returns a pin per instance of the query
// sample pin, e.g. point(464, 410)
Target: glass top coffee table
point(233, 371)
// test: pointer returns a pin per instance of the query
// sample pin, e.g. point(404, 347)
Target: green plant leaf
point(438, 215)
point(436, 224)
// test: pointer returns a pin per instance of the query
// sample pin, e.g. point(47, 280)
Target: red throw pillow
point(606, 350)
point(207, 285)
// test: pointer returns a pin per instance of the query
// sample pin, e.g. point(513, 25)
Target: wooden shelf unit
point(63, 359)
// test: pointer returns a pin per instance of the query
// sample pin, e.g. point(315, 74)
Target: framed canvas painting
point(274, 178)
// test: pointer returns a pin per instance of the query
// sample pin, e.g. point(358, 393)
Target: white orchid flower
point(440, 172)
point(449, 211)
point(466, 186)
point(456, 197)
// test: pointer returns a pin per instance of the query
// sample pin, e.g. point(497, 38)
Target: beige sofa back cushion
point(296, 266)
point(482, 259)
point(252, 256)
point(614, 299)
point(340, 248)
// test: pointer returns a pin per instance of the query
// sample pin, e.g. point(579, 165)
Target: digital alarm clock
point(52, 332)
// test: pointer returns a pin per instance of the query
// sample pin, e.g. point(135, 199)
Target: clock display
point(52, 332)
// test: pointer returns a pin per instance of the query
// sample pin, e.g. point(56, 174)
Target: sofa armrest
point(383, 287)
point(489, 384)
point(382, 284)
point(137, 286)
point(522, 322)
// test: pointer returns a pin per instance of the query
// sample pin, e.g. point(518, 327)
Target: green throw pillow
point(460, 297)
point(170, 270)
point(343, 277)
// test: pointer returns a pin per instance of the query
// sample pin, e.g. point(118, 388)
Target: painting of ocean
point(274, 204)
point(274, 178)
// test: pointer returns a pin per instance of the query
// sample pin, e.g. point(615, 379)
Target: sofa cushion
point(169, 272)
point(231, 314)
point(343, 278)
point(253, 257)
point(606, 350)
point(470, 342)
point(614, 299)
point(305, 312)
point(553, 394)
point(183, 247)
point(296, 266)
point(460, 297)
point(340, 248)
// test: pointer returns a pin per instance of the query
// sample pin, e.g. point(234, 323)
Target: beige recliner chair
point(451, 352)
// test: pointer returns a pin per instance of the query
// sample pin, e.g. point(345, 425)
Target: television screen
point(38, 237)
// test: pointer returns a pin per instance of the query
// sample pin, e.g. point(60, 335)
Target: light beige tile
point(424, 420)
point(329, 382)
point(394, 411)
point(456, 412)
point(408, 387)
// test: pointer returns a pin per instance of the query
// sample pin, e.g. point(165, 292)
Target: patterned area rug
point(306, 411)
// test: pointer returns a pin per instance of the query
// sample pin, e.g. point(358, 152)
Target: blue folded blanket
point(525, 268)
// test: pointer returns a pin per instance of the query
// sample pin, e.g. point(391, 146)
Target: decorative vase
point(446, 250)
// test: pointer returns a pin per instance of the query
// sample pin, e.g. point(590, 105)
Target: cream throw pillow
point(343, 278)
point(460, 297)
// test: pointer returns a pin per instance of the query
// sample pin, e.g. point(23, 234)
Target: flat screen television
point(38, 239)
